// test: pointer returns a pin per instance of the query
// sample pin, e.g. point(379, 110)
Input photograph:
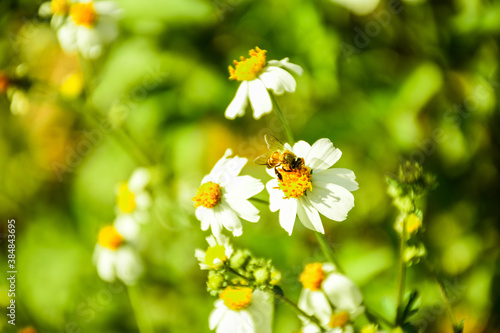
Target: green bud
point(413, 254)
point(216, 281)
point(239, 259)
point(262, 276)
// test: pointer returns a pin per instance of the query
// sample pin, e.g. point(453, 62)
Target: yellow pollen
point(110, 238)
point(339, 319)
point(84, 14)
point(237, 298)
point(213, 253)
point(295, 183)
point(125, 199)
point(312, 277)
point(208, 195)
point(250, 68)
point(59, 7)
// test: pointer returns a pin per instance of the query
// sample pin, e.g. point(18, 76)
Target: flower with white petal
point(216, 254)
point(89, 26)
point(132, 199)
point(114, 255)
point(58, 10)
point(312, 188)
point(326, 289)
point(222, 198)
point(239, 310)
point(256, 77)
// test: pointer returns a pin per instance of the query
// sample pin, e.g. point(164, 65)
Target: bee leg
point(278, 174)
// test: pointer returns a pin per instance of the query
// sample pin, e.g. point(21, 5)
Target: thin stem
point(328, 251)
point(143, 323)
point(259, 200)
point(402, 275)
point(444, 295)
point(299, 311)
point(283, 120)
point(237, 274)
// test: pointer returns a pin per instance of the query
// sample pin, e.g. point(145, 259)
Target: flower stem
point(259, 200)
point(401, 276)
point(328, 251)
point(283, 120)
point(143, 323)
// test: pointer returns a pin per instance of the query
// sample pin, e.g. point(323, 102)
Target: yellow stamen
point(208, 195)
point(237, 298)
point(59, 7)
point(248, 69)
point(84, 14)
point(339, 319)
point(312, 277)
point(296, 182)
point(213, 253)
point(125, 199)
point(110, 238)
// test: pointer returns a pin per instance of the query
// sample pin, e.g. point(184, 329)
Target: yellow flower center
point(125, 199)
point(339, 319)
point(208, 195)
point(59, 7)
point(312, 277)
point(296, 182)
point(250, 68)
point(213, 253)
point(237, 298)
point(84, 14)
point(110, 238)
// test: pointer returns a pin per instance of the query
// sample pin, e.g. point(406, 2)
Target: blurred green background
point(411, 80)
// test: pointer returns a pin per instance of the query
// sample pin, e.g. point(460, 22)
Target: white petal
point(288, 212)
point(259, 98)
point(226, 169)
point(244, 187)
point(225, 215)
point(127, 226)
point(301, 149)
point(107, 8)
point(205, 215)
point(128, 265)
point(67, 37)
point(288, 65)
point(57, 21)
point(278, 80)
point(315, 303)
point(308, 215)
point(139, 179)
point(216, 315)
point(239, 103)
point(331, 200)
point(246, 324)
point(276, 200)
point(243, 208)
point(106, 264)
point(339, 176)
point(45, 9)
point(89, 42)
point(322, 155)
point(230, 322)
point(261, 310)
point(342, 292)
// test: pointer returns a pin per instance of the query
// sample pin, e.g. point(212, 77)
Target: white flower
point(90, 25)
point(132, 199)
point(222, 198)
point(216, 254)
point(242, 311)
point(312, 188)
point(114, 255)
point(58, 9)
point(256, 77)
point(324, 289)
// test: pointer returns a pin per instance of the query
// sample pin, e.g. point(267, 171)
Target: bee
point(279, 156)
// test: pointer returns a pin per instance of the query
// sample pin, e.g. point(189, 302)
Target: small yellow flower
point(237, 298)
point(84, 14)
point(313, 276)
point(110, 238)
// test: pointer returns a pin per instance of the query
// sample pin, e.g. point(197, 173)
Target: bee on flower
point(114, 254)
point(222, 198)
point(257, 76)
point(304, 185)
point(132, 198)
point(241, 310)
point(83, 25)
point(217, 253)
point(329, 296)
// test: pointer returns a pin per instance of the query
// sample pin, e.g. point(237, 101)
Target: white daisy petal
point(342, 292)
point(229, 219)
point(286, 64)
point(339, 176)
point(89, 42)
point(239, 103)
point(106, 259)
point(288, 212)
point(217, 314)
point(279, 80)
point(244, 209)
point(322, 155)
point(259, 98)
point(229, 323)
point(67, 37)
point(127, 227)
point(57, 21)
point(246, 324)
point(244, 187)
point(206, 216)
point(45, 9)
point(333, 201)
point(308, 215)
point(275, 196)
point(128, 265)
point(108, 8)
point(301, 149)
point(139, 179)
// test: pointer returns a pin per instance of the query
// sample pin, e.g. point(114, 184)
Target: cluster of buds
point(235, 268)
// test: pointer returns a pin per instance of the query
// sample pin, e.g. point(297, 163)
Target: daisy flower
point(312, 187)
point(239, 310)
point(217, 253)
point(114, 256)
point(222, 198)
point(132, 199)
point(57, 9)
point(256, 76)
point(329, 296)
point(89, 26)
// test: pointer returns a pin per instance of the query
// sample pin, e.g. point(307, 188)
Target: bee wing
point(274, 144)
point(261, 160)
